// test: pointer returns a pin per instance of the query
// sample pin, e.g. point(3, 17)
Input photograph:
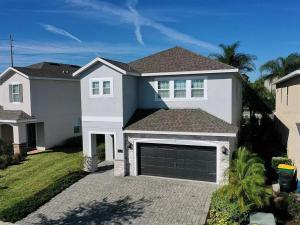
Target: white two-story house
point(39, 105)
point(171, 114)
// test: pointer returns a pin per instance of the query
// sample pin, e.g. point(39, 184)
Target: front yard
point(27, 186)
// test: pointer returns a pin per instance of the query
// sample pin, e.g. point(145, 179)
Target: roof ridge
point(153, 54)
point(177, 59)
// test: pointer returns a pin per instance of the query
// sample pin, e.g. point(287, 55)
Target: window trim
point(185, 89)
point(101, 81)
point(198, 88)
point(188, 80)
point(11, 98)
point(169, 89)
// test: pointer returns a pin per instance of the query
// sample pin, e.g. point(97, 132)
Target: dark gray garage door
point(177, 161)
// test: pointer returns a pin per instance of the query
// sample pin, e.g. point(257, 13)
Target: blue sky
point(76, 31)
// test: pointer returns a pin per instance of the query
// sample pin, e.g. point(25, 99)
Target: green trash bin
point(286, 177)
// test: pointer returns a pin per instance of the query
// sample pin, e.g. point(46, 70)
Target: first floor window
point(95, 88)
point(163, 89)
point(197, 88)
point(179, 88)
point(106, 87)
point(15, 93)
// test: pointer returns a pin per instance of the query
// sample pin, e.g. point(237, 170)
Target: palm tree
point(247, 181)
point(231, 56)
point(281, 66)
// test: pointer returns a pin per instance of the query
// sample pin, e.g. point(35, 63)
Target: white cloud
point(132, 16)
point(56, 30)
point(29, 52)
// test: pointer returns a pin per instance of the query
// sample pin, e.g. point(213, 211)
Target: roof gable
point(121, 67)
point(45, 70)
point(177, 59)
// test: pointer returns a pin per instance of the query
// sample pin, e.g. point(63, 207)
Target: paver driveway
point(101, 198)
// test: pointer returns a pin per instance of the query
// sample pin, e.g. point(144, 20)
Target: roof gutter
point(19, 121)
point(287, 77)
point(191, 72)
point(181, 133)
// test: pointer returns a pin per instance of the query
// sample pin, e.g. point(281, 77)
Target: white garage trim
point(177, 142)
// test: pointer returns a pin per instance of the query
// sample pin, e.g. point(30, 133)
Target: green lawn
point(25, 187)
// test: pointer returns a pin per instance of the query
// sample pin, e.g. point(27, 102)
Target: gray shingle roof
point(121, 65)
point(14, 115)
point(178, 120)
point(174, 60)
point(49, 70)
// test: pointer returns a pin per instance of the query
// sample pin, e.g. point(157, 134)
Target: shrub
point(73, 142)
point(294, 207)
point(6, 160)
point(225, 211)
point(16, 159)
point(280, 160)
point(246, 177)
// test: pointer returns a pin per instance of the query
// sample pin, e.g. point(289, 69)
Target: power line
point(11, 46)
point(11, 50)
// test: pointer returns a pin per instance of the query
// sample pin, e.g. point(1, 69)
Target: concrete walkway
point(101, 198)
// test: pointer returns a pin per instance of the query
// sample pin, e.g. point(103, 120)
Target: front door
point(31, 135)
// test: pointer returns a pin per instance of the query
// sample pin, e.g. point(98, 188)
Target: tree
point(231, 56)
point(246, 176)
point(281, 66)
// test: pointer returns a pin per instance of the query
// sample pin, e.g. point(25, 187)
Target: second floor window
point(15, 93)
point(179, 89)
point(95, 88)
point(163, 89)
point(106, 87)
point(101, 87)
point(197, 88)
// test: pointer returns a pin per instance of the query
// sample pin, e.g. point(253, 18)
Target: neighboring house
point(40, 105)
point(287, 114)
point(171, 114)
point(269, 83)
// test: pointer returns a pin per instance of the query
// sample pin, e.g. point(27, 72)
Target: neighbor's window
point(15, 93)
point(163, 89)
point(106, 87)
point(197, 88)
point(179, 89)
point(95, 88)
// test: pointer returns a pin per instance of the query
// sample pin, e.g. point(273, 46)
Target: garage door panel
point(177, 161)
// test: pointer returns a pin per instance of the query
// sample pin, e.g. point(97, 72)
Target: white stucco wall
point(57, 104)
point(218, 102)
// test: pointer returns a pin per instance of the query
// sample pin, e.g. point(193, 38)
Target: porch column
point(20, 139)
point(109, 147)
point(89, 151)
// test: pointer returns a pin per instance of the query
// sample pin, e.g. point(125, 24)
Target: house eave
point(15, 70)
point(191, 72)
point(287, 77)
point(181, 133)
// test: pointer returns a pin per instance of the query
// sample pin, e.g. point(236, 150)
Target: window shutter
point(21, 92)
point(10, 93)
